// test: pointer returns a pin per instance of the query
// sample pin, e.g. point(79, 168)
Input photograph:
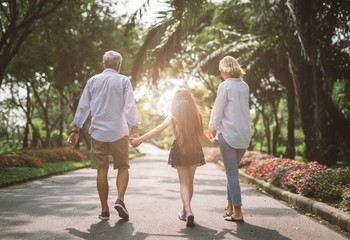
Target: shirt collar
point(235, 79)
point(109, 70)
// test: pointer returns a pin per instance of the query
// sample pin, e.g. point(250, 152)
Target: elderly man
point(110, 99)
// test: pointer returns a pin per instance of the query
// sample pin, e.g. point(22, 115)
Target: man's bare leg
point(103, 188)
point(122, 182)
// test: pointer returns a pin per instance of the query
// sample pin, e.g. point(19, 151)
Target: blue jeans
point(231, 158)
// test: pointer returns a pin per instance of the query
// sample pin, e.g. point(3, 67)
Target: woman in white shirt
point(230, 118)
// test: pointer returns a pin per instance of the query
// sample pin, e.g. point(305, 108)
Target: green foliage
point(341, 96)
point(55, 64)
point(164, 39)
point(17, 174)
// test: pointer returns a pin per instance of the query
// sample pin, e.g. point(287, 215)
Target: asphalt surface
point(67, 206)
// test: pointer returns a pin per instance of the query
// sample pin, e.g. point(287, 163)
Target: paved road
point(66, 207)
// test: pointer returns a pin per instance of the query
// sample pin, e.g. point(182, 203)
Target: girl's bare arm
point(154, 132)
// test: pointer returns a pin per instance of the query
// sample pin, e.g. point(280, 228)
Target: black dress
point(178, 158)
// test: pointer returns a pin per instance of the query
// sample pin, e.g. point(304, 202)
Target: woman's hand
point(210, 135)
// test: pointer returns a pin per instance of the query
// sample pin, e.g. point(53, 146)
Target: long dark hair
point(187, 121)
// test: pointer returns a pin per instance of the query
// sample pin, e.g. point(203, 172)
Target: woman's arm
point(218, 109)
point(154, 132)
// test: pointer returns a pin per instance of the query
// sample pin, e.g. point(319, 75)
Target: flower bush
point(252, 156)
point(19, 159)
point(318, 181)
point(346, 195)
point(35, 158)
point(273, 168)
point(59, 155)
point(308, 179)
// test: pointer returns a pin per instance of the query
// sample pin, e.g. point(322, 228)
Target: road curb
point(322, 210)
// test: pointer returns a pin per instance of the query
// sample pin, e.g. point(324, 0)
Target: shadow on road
point(241, 231)
point(123, 229)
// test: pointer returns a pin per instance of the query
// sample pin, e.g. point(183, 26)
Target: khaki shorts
point(100, 153)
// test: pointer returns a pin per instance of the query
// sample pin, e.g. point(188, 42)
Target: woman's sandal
point(227, 214)
point(232, 219)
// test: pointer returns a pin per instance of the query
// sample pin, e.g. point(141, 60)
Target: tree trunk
point(302, 77)
point(267, 129)
point(276, 132)
point(255, 131)
point(287, 80)
point(290, 150)
point(60, 136)
point(312, 84)
point(28, 110)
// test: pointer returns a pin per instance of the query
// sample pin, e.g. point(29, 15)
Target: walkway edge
point(322, 210)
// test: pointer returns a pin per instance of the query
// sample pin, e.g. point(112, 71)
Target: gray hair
point(112, 59)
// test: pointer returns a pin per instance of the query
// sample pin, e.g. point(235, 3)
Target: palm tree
point(165, 38)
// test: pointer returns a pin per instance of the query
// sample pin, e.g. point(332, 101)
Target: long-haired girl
point(186, 154)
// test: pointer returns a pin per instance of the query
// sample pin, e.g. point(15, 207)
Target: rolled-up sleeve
point(130, 106)
point(83, 109)
point(218, 109)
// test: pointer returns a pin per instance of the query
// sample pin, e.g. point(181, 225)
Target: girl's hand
point(136, 142)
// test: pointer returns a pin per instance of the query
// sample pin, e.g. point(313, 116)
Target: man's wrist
point(75, 129)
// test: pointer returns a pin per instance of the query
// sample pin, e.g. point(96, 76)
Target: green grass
point(9, 176)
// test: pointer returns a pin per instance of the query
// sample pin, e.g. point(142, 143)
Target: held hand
point(135, 142)
point(211, 137)
point(73, 139)
point(132, 137)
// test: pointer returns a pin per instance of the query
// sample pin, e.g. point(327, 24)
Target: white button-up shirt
point(110, 99)
point(230, 114)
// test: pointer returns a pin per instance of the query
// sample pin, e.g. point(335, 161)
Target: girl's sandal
point(182, 216)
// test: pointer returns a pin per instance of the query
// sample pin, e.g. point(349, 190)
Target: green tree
point(56, 62)
point(318, 58)
point(164, 39)
point(16, 23)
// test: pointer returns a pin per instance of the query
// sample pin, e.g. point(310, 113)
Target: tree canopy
point(295, 54)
